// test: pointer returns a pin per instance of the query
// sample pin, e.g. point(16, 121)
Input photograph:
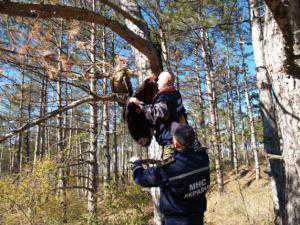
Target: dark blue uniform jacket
point(167, 108)
point(183, 182)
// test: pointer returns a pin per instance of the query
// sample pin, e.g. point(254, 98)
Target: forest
point(64, 140)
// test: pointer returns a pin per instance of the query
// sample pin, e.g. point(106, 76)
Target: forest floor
point(29, 200)
point(245, 201)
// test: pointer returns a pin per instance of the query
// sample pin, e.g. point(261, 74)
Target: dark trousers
point(179, 220)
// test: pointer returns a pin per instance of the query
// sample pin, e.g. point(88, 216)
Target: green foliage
point(31, 197)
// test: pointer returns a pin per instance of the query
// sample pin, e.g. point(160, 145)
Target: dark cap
point(183, 133)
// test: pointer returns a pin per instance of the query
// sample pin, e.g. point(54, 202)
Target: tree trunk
point(93, 175)
point(249, 111)
point(272, 77)
point(229, 132)
point(28, 131)
point(241, 117)
point(115, 143)
point(232, 128)
point(60, 141)
point(106, 144)
point(1, 159)
point(20, 137)
point(282, 50)
point(200, 99)
point(252, 131)
point(210, 89)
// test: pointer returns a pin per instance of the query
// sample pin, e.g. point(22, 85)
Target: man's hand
point(137, 102)
point(133, 159)
point(134, 100)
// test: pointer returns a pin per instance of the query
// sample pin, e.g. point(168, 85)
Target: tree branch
point(141, 24)
point(56, 112)
point(46, 11)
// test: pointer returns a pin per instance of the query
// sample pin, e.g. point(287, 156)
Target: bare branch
point(141, 24)
point(56, 112)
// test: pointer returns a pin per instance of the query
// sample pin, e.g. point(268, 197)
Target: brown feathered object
point(139, 128)
point(121, 83)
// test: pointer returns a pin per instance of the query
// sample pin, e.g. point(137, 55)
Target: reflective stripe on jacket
point(183, 182)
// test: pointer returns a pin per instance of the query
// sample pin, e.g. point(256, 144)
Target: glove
point(134, 162)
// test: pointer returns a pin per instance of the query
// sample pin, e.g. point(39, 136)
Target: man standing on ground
point(183, 182)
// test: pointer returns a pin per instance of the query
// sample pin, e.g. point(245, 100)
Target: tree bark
point(115, 144)
point(278, 86)
point(106, 118)
point(282, 52)
point(252, 131)
point(93, 175)
point(241, 117)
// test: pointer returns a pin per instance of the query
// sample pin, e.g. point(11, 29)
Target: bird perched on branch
point(120, 80)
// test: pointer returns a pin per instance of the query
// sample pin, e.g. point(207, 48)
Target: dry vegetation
point(31, 199)
point(244, 202)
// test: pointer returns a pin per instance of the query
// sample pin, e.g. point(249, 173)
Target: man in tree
point(183, 181)
point(167, 107)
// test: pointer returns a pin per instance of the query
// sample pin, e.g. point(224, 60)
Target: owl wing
point(127, 82)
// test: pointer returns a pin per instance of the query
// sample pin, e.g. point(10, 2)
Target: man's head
point(165, 79)
point(183, 135)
